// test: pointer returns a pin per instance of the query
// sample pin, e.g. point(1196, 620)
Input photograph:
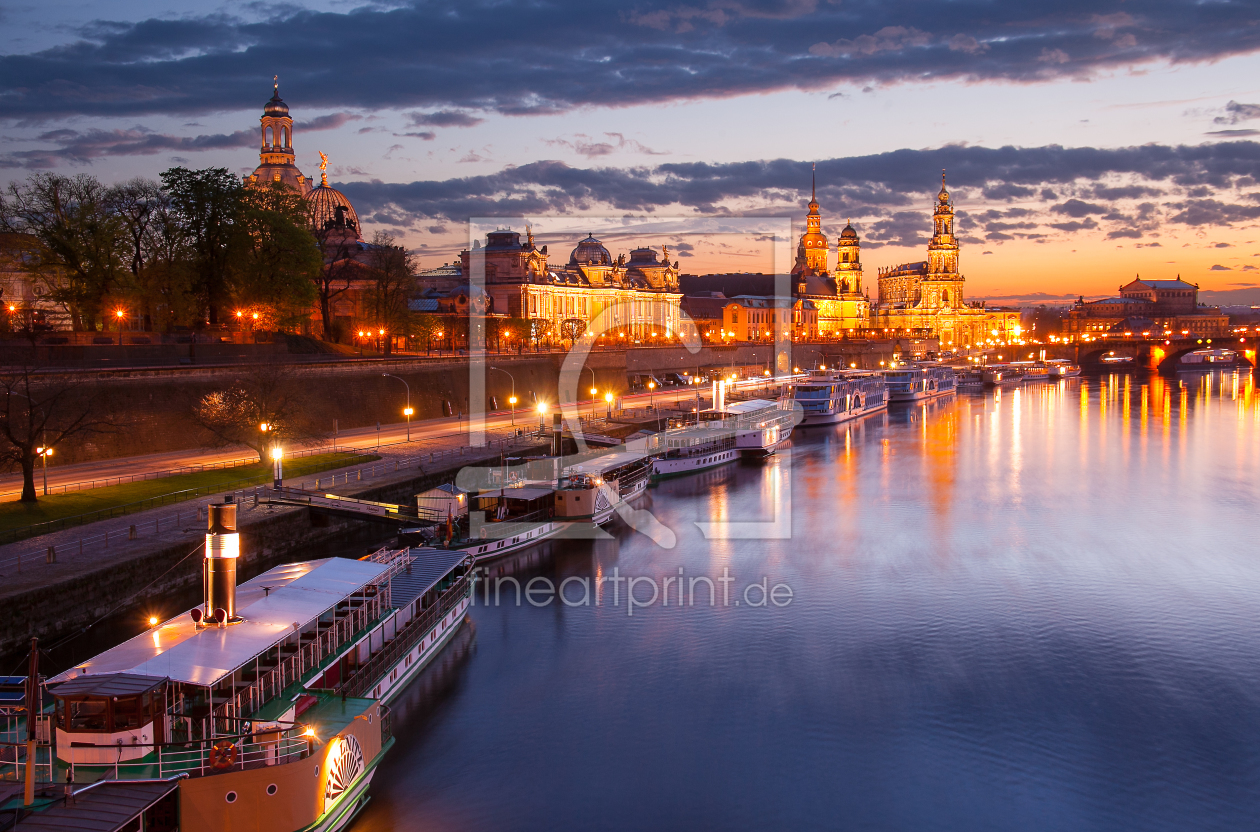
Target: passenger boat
point(761, 426)
point(912, 384)
point(1002, 375)
point(1202, 361)
point(969, 379)
point(1062, 368)
point(1031, 370)
point(828, 397)
point(264, 705)
point(523, 512)
point(695, 448)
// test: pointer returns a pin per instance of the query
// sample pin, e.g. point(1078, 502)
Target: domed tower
point(848, 261)
point(276, 160)
point(813, 241)
point(331, 213)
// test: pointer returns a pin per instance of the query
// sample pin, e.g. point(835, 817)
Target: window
point(269, 138)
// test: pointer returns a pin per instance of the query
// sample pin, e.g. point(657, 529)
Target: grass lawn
point(16, 515)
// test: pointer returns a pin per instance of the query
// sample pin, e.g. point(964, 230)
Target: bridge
point(1154, 352)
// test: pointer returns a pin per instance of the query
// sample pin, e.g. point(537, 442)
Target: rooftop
point(270, 604)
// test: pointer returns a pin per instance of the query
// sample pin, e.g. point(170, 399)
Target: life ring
point(483, 533)
point(222, 755)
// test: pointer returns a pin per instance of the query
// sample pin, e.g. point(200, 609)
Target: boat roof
point(749, 406)
point(270, 604)
point(105, 806)
point(607, 462)
point(428, 568)
point(115, 684)
point(519, 492)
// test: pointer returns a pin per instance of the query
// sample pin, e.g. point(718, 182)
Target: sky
point(1084, 142)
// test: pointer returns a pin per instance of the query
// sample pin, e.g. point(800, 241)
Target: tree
point(207, 205)
point(81, 240)
point(391, 268)
point(276, 257)
point(39, 412)
point(138, 204)
point(335, 275)
point(425, 327)
point(265, 394)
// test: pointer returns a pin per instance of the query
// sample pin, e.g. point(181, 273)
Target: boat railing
point(309, 656)
point(197, 758)
point(365, 678)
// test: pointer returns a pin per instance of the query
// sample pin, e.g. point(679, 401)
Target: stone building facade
point(1147, 306)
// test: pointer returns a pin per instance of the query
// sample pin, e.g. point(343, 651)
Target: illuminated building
point(640, 294)
point(837, 298)
point(753, 318)
point(1143, 306)
point(276, 159)
point(927, 296)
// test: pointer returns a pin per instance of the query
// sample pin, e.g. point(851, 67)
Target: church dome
point(590, 252)
point(848, 233)
point(276, 107)
point(331, 210)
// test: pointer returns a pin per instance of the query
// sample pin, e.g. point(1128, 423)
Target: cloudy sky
point(1084, 141)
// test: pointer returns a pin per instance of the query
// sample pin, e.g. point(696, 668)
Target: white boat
point(1002, 375)
point(918, 383)
point(969, 379)
point(761, 426)
point(523, 512)
point(1031, 370)
point(1062, 368)
point(695, 448)
point(828, 397)
point(1202, 361)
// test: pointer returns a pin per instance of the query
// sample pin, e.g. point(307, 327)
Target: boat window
point(88, 715)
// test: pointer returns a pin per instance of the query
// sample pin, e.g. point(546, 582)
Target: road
point(433, 433)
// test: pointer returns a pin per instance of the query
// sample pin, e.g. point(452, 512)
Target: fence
point(34, 558)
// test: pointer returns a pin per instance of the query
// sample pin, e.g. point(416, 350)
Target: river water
point(1033, 609)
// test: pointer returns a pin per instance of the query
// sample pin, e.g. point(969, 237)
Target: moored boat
point(1062, 368)
point(219, 717)
point(827, 397)
point(912, 384)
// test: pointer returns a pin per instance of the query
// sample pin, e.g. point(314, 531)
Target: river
point(1031, 609)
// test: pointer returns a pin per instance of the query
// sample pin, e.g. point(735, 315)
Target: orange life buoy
point(222, 755)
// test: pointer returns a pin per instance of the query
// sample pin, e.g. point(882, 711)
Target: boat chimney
point(557, 435)
point(223, 547)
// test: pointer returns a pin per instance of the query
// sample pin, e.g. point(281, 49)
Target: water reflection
point(1030, 609)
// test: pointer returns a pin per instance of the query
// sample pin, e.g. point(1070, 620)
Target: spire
point(275, 88)
point(813, 183)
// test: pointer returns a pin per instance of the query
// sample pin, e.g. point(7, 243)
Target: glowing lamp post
point(542, 412)
point(277, 467)
point(120, 314)
point(44, 453)
point(608, 397)
point(407, 411)
point(512, 398)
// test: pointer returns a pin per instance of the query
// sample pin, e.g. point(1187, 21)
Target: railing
point(308, 656)
point(36, 557)
point(195, 759)
point(365, 677)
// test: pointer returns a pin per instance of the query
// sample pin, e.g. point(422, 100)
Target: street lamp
point(608, 397)
point(542, 411)
point(407, 411)
point(594, 391)
point(651, 394)
point(277, 467)
point(512, 400)
point(44, 453)
point(120, 314)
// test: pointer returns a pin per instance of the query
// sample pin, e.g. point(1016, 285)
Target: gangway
point(339, 506)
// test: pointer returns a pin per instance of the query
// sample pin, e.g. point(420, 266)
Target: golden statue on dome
point(323, 167)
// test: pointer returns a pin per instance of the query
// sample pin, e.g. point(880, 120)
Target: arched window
point(267, 138)
point(286, 137)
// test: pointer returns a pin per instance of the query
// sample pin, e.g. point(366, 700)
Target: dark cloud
point(1236, 113)
point(329, 122)
point(521, 56)
point(444, 118)
point(1219, 268)
point(82, 147)
point(1077, 208)
point(890, 190)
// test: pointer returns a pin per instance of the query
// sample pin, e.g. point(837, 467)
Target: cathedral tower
point(276, 159)
point(813, 241)
point(943, 250)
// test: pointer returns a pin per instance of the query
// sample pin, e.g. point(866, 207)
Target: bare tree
point(263, 394)
point(392, 270)
point(336, 275)
point(36, 412)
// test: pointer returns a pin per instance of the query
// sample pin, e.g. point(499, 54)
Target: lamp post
point(120, 314)
point(45, 452)
point(407, 411)
point(542, 412)
point(594, 392)
point(512, 400)
point(277, 466)
point(608, 397)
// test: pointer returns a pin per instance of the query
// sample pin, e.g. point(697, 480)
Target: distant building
point(1148, 306)
point(748, 318)
point(927, 296)
point(838, 299)
point(639, 295)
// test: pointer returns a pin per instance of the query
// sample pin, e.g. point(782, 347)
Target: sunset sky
point(1084, 142)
